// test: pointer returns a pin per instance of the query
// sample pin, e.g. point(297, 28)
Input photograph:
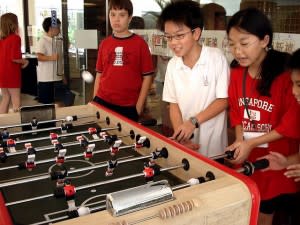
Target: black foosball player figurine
point(34, 124)
point(3, 155)
point(111, 165)
point(5, 135)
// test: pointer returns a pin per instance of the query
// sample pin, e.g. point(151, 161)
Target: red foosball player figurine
point(70, 191)
point(30, 163)
point(111, 165)
point(88, 153)
point(11, 145)
point(150, 172)
point(60, 159)
point(53, 137)
point(140, 141)
point(115, 148)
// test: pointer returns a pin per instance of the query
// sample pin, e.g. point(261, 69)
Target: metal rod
point(62, 135)
point(67, 144)
point(34, 131)
point(66, 157)
point(31, 179)
point(92, 185)
point(42, 122)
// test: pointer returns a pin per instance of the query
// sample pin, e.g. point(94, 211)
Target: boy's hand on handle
point(184, 131)
point(242, 150)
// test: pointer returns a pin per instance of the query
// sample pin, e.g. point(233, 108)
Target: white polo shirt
point(46, 70)
point(195, 89)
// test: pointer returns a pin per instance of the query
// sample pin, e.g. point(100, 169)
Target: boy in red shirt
point(124, 65)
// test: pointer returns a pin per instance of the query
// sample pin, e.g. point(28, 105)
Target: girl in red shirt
point(11, 62)
point(263, 109)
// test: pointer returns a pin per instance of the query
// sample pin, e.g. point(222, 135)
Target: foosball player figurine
point(158, 153)
point(31, 153)
point(59, 176)
point(111, 165)
point(115, 147)
point(57, 146)
point(94, 131)
point(60, 159)
point(108, 138)
point(3, 155)
point(141, 141)
point(83, 142)
point(150, 172)
point(11, 145)
point(5, 135)
point(53, 137)
point(34, 124)
point(88, 153)
point(70, 191)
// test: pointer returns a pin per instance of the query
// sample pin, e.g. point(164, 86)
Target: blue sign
point(53, 18)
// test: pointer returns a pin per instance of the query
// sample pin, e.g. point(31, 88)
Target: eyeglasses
point(241, 46)
point(177, 36)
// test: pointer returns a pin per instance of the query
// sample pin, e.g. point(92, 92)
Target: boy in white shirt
point(196, 81)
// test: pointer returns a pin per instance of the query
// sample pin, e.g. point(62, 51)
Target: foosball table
point(88, 165)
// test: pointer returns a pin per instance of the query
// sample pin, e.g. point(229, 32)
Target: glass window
point(16, 7)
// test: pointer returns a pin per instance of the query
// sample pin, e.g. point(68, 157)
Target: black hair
point(121, 4)
point(294, 62)
point(47, 23)
point(182, 12)
point(257, 23)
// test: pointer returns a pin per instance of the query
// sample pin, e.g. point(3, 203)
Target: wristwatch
point(194, 121)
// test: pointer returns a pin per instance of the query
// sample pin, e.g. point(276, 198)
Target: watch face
point(194, 122)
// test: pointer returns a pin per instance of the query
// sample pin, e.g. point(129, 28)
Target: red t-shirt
point(10, 72)
point(122, 63)
point(280, 112)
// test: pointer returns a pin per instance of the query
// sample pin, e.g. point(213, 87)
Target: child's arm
point(184, 130)
point(147, 81)
point(23, 62)
point(216, 107)
point(96, 84)
point(42, 57)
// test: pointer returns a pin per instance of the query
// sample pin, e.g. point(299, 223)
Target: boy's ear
point(265, 41)
point(197, 32)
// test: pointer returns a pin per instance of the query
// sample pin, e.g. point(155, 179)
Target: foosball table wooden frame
point(230, 199)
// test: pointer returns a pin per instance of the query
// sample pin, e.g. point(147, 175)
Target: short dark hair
point(294, 62)
point(182, 12)
point(47, 23)
point(121, 4)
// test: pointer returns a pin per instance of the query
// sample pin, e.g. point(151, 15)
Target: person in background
point(124, 65)
point(196, 81)
point(277, 160)
point(11, 63)
point(46, 73)
point(262, 108)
